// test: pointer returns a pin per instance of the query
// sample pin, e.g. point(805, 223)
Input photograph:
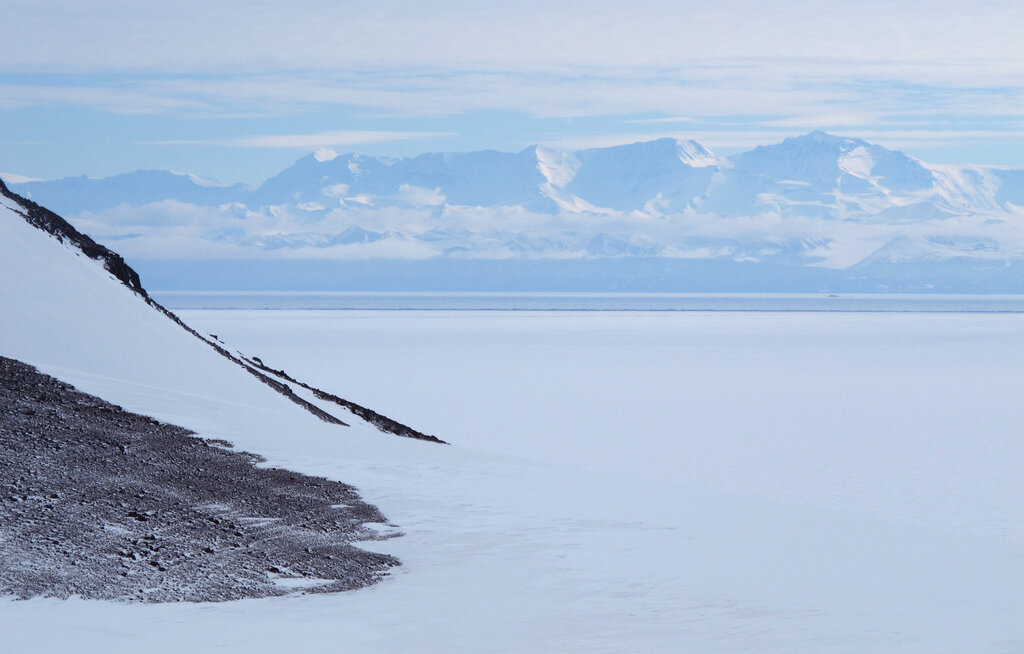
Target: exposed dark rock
point(62, 230)
point(283, 389)
point(106, 504)
point(379, 421)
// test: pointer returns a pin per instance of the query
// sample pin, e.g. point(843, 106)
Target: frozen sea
point(638, 474)
point(469, 301)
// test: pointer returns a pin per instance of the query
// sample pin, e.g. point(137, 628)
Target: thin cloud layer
point(308, 141)
point(172, 230)
point(937, 74)
point(235, 36)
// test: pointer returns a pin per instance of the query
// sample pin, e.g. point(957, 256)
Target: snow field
point(905, 417)
point(657, 481)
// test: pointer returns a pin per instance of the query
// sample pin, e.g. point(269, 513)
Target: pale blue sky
point(238, 90)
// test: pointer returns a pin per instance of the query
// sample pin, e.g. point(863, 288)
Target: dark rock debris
point(105, 504)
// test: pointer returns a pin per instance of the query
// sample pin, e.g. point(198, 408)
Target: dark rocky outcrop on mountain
point(62, 230)
point(379, 421)
point(105, 504)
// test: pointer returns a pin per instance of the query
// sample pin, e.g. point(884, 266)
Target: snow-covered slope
point(661, 176)
point(76, 311)
point(66, 314)
point(486, 178)
point(819, 175)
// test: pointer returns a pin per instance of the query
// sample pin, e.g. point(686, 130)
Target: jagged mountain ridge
point(136, 188)
point(839, 176)
point(811, 200)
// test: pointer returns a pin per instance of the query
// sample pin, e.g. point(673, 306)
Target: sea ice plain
point(656, 482)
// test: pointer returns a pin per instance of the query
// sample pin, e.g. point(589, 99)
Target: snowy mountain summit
point(820, 175)
point(815, 174)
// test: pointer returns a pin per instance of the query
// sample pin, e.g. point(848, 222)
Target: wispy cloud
point(308, 141)
point(828, 120)
point(797, 92)
point(176, 230)
point(745, 139)
point(669, 120)
point(124, 98)
point(527, 36)
point(410, 66)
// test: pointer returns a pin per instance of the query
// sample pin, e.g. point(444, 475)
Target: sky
point(236, 91)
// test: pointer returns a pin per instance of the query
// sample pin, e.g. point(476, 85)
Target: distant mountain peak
point(688, 151)
point(694, 154)
point(558, 167)
point(821, 135)
point(324, 154)
point(13, 178)
point(821, 138)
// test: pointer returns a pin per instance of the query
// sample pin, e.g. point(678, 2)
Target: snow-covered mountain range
point(818, 200)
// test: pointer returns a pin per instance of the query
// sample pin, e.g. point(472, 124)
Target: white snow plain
point(618, 482)
point(689, 481)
